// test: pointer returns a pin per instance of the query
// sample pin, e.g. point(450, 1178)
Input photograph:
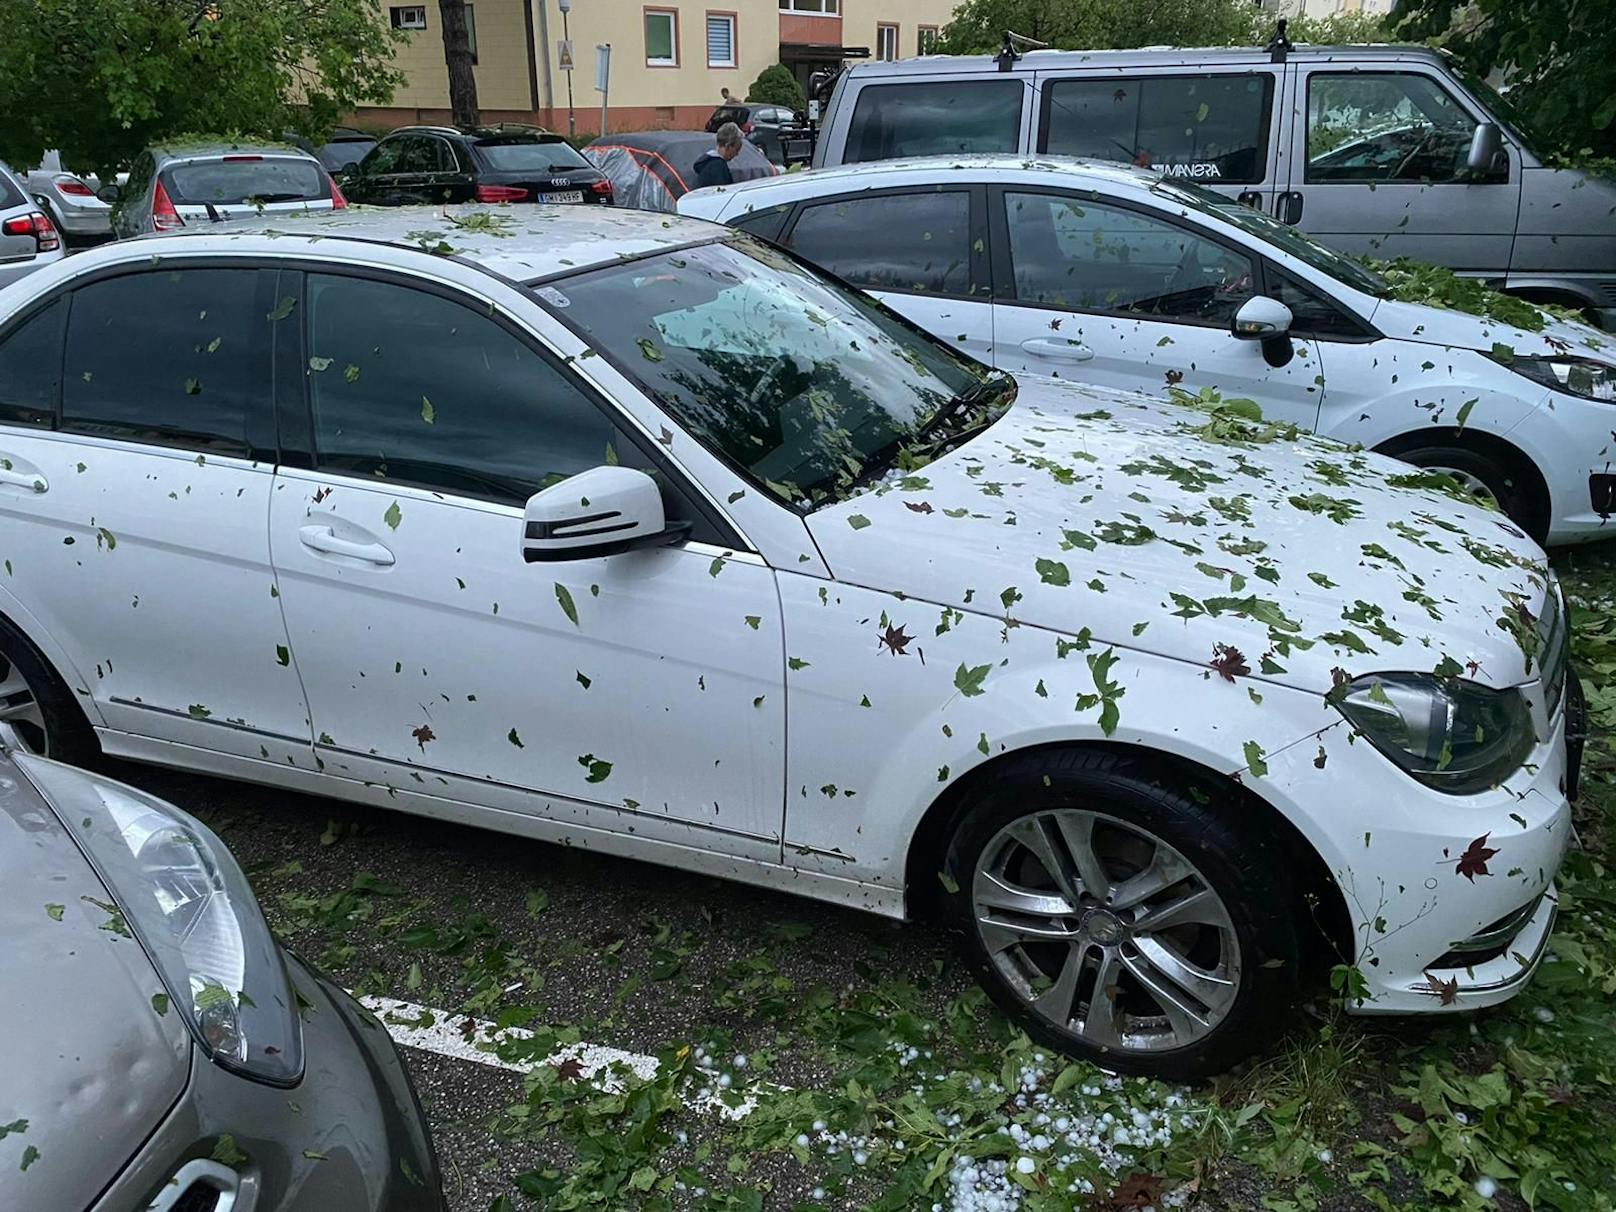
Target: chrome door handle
point(1063, 351)
point(23, 479)
point(323, 538)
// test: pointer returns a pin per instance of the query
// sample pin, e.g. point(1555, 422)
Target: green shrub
point(777, 86)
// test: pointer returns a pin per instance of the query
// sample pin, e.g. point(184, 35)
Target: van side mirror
point(1487, 160)
point(1269, 321)
point(599, 512)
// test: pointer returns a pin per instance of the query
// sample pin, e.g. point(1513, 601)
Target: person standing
point(712, 168)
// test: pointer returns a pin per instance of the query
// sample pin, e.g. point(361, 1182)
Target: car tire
point(1042, 954)
point(1485, 476)
point(39, 706)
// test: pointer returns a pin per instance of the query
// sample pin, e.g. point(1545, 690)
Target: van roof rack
point(1012, 47)
point(1279, 45)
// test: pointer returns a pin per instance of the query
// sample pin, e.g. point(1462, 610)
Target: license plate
point(567, 195)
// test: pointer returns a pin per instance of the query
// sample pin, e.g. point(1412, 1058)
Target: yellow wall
point(860, 17)
point(502, 70)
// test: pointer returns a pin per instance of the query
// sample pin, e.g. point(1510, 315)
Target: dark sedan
point(430, 164)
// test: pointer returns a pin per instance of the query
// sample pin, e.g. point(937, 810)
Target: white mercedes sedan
point(632, 533)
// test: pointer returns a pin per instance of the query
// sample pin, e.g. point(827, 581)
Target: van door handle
point(1061, 351)
point(323, 538)
point(1251, 198)
point(22, 479)
point(1288, 207)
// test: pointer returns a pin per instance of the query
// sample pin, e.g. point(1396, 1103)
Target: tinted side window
point(172, 357)
point(1084, 256)
point(1312, 314)
point(1206, 128)
point(765, 224)
point(30, 366)
point(935, 119)
point(383, 158)
point(413, 387)
point(913, 242)
point(1384, 126)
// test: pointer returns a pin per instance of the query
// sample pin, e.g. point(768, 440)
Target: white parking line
point(464, 1038)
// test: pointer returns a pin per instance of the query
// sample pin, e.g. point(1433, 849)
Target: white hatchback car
point(636, 534)
point(1118, 277)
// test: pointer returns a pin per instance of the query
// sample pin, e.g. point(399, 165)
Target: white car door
point(1107, 293)
point(921, 250)
point(640, 693)
point(137, 437)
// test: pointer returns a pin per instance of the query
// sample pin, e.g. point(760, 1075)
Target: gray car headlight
point(1455, 736)
point(183, 897)
point(1575, 376)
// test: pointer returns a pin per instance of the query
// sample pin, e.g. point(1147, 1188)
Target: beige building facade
point(670, 59)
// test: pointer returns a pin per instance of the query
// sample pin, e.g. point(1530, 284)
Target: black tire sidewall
point(68, 734)
point(1243, 867)
point(1513, 498)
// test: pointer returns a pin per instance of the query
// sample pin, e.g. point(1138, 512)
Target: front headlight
point(1455, 736)
point(1575, 376)
point(183, 897)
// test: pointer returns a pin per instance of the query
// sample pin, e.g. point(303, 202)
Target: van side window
point(1384, 126)
point(1203, 128)
point(919, 242)
point(173, 357)
point(938, 118)
point(30, 365)
point(1077, 255)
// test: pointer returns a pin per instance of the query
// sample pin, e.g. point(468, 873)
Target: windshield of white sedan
point(806, 385)
point(1304, 248)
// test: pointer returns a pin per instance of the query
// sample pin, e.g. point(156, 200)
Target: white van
point(1381, 150)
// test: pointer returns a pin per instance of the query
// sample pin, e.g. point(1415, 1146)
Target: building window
point(471, 30)
point(409, 16)
point(886, 41)
point(661, 37)
point(821, 7)
point(721, 40)
point(926, 39)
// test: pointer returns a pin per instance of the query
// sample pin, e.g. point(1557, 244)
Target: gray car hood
point(87, 1066)
point(1158, 529)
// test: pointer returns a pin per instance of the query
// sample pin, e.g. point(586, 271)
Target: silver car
point(70, 200)
point(28, 238)
point(170, 187)
point(160, 1050)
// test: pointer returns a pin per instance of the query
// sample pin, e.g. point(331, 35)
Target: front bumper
point(1573, 443)
point(350, 1136)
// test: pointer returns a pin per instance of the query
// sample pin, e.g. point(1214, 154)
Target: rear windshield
point(529, 155)
point(8, 191)
point(935, 119)
point(230, 181)
point(345, 152)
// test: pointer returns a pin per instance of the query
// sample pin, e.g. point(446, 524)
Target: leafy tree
point(777, 86)
point(457, 58)
point(979, 25)
point(1559, 56)
point(102, 79)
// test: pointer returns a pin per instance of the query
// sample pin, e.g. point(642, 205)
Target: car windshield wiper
point(978, 393)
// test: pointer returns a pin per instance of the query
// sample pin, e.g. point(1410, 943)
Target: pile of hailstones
point(1078, 1130)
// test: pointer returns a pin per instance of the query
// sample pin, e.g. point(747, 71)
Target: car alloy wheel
point(1105, 931)
point(20, 707)
point(1472, 484)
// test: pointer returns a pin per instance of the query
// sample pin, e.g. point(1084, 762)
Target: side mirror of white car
point(595, 513)
point(1260, 317)
point(1269, 321)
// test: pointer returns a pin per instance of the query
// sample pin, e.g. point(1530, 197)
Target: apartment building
point(671, 59)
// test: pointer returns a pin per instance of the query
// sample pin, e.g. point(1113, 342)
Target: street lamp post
point(566, 36)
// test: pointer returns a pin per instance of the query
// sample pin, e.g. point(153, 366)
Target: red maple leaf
point(894, 639)
point(570, 1069)
point(1473, 861)
point(1229, 661)
point(1446, 991)
point(1474, 667)
point(918, 506)
point(1054, 325)
point(321, 494)
point(1174, 377)
point(1142, 160)
point(468, 1027)
point(422, 735)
